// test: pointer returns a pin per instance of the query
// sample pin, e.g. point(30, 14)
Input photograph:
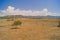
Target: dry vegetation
point(30, 29)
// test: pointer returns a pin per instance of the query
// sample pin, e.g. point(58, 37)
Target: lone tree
point(16, 24)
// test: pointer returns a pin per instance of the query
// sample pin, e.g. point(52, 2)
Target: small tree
point(16, 23)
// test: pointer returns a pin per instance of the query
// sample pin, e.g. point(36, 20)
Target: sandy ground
point(30, 29)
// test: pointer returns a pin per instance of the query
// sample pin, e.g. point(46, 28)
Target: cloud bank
point(12, 11)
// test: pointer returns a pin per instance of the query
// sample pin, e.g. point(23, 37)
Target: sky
point(30, 7)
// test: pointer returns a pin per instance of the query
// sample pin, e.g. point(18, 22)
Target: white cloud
point(12, 11)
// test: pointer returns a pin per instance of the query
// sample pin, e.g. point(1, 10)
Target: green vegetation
point(5, 17)
point(16, 23)
point(59, 24)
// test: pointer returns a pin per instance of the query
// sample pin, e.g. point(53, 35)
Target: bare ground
point(31, 29)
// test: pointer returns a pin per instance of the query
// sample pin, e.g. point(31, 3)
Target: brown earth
point(31, 29)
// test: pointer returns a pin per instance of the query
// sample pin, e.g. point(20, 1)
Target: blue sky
point(51, 5)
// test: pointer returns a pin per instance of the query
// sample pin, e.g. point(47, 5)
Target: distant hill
point(20, 16)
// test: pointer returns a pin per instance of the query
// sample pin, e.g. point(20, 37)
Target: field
point(30, 29)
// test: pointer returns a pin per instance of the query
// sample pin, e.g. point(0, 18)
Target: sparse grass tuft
point(54, 37)
point(10, 19)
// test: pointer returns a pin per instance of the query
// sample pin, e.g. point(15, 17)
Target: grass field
point(30, 29)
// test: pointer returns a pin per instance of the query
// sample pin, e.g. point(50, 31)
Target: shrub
point(59, 24)
point(16, 23)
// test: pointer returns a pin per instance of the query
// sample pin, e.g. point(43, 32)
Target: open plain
point(30, 29)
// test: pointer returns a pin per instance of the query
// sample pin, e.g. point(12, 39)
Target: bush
point(16, 23)
point(59, 24)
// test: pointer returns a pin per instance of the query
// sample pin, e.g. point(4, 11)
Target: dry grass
point(31, 29)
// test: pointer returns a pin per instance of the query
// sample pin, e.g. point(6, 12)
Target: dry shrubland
point(30, 29)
